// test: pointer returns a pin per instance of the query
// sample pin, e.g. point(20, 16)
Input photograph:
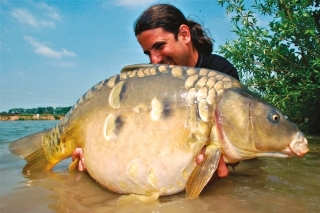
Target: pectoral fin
point(203, 172)
point(74, 164)
point(125, 199)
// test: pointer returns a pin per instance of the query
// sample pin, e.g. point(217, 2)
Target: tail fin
point(30, 149)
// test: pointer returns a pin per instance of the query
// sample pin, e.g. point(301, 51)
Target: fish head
point(250, 127)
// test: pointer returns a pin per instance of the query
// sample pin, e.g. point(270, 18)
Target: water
point(264, 185)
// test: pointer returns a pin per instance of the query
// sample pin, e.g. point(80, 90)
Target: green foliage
point(57, 117)
point(280, 60)
point(62, 110)
point(39, 110)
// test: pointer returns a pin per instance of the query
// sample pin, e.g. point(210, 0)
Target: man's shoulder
point(219, 63)
point(214, 58)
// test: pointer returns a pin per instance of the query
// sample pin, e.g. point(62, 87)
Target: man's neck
point(194, 57)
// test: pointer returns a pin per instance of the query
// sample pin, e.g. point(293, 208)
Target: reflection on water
point(264, 185)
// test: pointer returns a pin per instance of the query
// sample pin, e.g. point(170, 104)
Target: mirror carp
point(142, 130)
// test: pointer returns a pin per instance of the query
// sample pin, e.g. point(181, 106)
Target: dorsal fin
point(135, 66)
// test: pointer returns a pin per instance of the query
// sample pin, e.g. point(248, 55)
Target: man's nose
point(155, 58)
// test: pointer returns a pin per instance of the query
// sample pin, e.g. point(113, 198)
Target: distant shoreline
point(30, 117)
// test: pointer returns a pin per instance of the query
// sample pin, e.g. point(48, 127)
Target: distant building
point(36, 117)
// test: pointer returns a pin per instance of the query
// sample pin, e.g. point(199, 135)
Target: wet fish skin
point(141, 130)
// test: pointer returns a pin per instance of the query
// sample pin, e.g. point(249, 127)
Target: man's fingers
point(223, 170)
point(78, 154)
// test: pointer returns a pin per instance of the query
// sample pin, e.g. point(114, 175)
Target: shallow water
point(260, 185)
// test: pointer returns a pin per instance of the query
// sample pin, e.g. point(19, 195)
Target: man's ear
point(184, 33)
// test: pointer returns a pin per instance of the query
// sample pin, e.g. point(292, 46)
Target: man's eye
point(159, 46)
point(147, 53)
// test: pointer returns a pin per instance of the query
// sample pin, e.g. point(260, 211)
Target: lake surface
point(260, 185)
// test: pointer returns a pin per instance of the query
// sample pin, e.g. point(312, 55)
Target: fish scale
point(142, 130)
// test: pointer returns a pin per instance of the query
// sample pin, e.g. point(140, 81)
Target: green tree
point(31, 111)
point(49, 110)
point(62, 110)
point(40, 110)
point(279, 61)
point(3, 113)
point(16, 111)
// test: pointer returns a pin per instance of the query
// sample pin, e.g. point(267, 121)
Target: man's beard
point(167, 61)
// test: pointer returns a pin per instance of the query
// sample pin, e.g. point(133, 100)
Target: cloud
point(43, 50)
point(49, 11)
point(38, 15)
point(24, 17)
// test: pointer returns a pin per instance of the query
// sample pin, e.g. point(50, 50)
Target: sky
point(52, 52)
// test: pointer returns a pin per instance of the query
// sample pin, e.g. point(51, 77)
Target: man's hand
point(222, 170)
point(78, 154)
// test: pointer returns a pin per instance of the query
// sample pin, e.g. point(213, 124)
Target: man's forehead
point(150, 38)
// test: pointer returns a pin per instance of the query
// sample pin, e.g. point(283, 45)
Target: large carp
point(142, 130)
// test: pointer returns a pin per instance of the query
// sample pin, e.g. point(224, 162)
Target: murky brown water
point(264, 185)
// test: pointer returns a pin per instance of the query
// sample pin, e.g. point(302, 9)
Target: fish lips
point(297, 147)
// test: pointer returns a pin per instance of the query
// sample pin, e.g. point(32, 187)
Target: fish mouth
point(298, 146)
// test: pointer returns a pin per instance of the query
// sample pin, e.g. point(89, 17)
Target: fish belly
point(143, 156)
point(141, 134)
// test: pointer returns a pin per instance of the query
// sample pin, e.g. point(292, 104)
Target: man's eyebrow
point(154, 46)
point(157, 44)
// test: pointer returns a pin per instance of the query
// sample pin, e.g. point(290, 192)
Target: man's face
point(163, 48)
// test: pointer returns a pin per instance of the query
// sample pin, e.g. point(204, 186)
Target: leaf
point(279, 60)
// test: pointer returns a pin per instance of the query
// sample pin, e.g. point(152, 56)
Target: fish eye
point(274, 117)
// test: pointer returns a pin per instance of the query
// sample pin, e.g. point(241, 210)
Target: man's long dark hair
point(170, 19)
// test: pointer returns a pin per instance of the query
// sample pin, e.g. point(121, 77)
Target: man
point(167, 37)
